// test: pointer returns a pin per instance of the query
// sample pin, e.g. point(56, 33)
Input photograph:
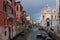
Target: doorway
point(9, 33)
point(48, 24)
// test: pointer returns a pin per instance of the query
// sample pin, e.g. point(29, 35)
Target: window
point(43, 17)
point(17, 8)
point(5, 33)
point(5, 21)
point(51, 17)
point(4, 8)
point(48, 24)
point(12, 11)
point(12, 29)
point(55, 17)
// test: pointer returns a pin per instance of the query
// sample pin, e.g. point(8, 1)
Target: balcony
point(9, 2)
point(10, 12)
point(10, 16)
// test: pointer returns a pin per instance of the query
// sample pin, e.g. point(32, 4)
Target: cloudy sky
point(33, 7)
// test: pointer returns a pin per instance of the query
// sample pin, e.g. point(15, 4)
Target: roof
point(18, 2)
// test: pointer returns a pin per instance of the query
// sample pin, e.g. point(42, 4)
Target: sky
point(34, 7)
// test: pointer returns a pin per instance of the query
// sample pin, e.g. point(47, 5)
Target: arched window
point(48, 23)
point(43, 17)
point(17, 8)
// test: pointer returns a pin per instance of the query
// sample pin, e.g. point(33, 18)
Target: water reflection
point(30, 36)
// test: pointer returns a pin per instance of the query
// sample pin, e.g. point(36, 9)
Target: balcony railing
point(10, 16)
point(10, 3)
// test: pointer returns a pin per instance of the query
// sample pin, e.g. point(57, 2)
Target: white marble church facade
point(48, 18)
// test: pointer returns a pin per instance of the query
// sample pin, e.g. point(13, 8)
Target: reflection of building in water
point(48, 18)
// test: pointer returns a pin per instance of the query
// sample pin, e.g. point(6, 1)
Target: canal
point(29, 36)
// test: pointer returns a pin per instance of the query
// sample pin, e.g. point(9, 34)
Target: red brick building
point(7, 19)
point(3, 15)
point(12, 19)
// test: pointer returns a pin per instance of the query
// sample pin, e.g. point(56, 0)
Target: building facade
point(48, 18)
point(23, 19)
point(58, 12)
point(28, 22)
point(12, 19)
point(19, 10)
point(8, 19)
point(28, 18)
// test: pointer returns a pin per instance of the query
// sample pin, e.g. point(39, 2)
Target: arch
point(48, 23)
point(47, 19)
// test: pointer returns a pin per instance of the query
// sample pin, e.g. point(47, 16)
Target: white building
point(57, 4)
point(28, 18)
point(58, 12)
point(48, 18)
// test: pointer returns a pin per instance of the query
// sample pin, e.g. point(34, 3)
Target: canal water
point(29, 36)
